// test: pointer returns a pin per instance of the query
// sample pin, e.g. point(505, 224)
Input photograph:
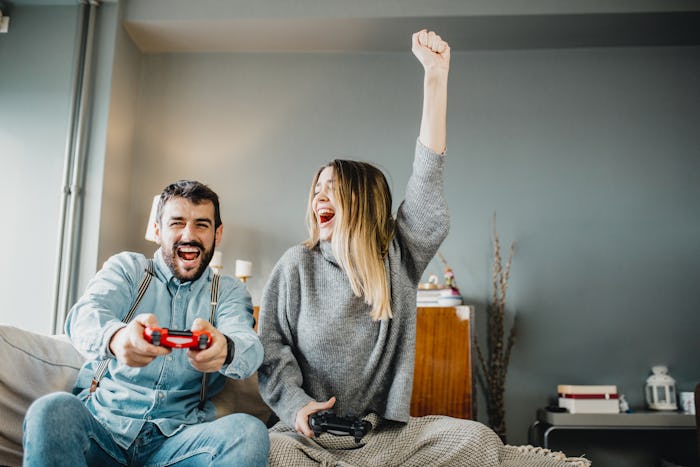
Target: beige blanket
point(425, 441)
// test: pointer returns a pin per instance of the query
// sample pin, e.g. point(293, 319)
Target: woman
point(338, 314)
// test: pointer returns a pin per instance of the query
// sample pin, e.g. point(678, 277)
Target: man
point(146, 409)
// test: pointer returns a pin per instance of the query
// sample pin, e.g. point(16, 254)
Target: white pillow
point(32, 365)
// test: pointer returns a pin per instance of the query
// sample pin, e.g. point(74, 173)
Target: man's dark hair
point(193, 191)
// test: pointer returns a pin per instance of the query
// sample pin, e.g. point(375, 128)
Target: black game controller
point(329, 422)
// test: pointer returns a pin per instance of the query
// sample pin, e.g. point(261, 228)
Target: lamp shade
point(243, 268)
point(151, 227)
point(217, 263)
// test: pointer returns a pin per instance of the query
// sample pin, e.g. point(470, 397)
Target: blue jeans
point(60, 431)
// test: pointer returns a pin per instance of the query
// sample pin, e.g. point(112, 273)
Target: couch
point(34, 364)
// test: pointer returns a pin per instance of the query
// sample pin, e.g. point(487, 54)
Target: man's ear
point(156, 232)
point(218, 234)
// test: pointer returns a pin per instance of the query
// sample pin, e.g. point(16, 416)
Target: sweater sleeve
point(280, 376)
point(423, 219)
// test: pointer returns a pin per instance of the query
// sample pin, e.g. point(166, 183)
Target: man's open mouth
point(188, 253)
point(325, 215)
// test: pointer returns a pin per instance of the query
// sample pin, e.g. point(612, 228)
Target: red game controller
point(165, 337)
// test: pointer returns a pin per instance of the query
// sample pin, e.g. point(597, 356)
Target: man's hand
point(212, 358)
point(129, 345)
point(431, 51)
point(301, 423)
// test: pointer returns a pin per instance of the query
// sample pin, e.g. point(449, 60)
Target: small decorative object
point(624, 405)
point(244, 270)
point(450, 278)
point(493, 364)
point(450, 281)
point(449, 296)
point(433, 282)
point(661, 389)
point(687, 402)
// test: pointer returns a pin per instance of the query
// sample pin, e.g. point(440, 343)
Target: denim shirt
point(166, 391)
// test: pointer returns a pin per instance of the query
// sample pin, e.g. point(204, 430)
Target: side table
point(549, 422)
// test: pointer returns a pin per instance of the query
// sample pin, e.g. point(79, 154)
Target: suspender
point(143, 286)
point(214, 301)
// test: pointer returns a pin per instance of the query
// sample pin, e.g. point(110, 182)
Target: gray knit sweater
point(319, 338)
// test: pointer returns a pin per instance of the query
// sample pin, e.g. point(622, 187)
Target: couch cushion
point(242, 395)
point(32, 365)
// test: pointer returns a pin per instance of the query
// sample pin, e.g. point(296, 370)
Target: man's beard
point(205, 254)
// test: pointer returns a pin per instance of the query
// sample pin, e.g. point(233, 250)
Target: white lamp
point(4, 22)
point(216, 262)
point(244, 270)
point(661, 389)
point(151, 227)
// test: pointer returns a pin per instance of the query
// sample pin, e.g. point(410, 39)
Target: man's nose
point(188, 232)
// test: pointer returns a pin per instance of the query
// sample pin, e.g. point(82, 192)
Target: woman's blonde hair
point(362, 230)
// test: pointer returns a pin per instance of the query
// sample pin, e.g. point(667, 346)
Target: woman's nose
point(323, 193)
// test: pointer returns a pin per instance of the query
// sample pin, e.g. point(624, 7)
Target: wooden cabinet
point(442, 382)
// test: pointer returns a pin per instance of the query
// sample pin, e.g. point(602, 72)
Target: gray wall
point(36, 59)
point(588, 157)
point(590, 160)
point(116, 225)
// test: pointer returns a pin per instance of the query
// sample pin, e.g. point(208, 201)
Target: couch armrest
point(32, 365)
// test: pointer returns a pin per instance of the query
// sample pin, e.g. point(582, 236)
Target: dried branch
point(511, 341)
point(493, 367)
point(482, 361)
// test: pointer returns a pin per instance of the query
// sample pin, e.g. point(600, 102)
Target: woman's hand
point(431, 51)
point(434, 54)
point(301, 424)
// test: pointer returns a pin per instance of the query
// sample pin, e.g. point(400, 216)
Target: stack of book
point(429, 297)
point(588, 398)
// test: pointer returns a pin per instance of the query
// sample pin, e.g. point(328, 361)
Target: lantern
point(661, 389)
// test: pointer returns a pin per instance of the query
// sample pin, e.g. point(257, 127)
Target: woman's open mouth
point(325, 215)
